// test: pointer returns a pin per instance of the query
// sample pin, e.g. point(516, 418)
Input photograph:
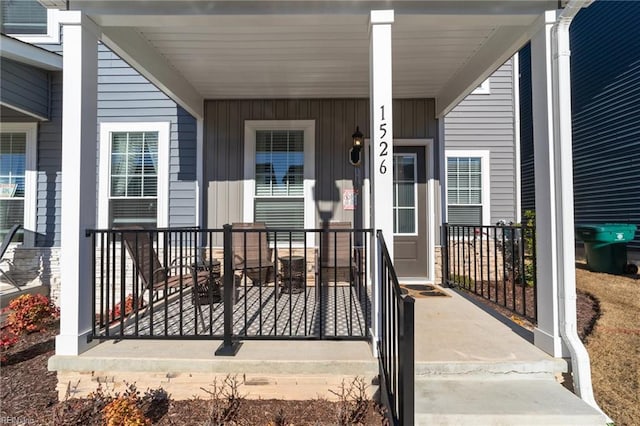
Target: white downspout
point(561, 93)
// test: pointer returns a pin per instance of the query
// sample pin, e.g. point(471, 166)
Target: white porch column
point(79, 152)
point(547, 334)
point(381, 113)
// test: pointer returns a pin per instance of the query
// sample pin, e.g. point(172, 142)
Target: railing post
point(228, 347)
point(444, 254)
point(407, 369)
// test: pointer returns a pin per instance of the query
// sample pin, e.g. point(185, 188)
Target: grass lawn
point(614, 344)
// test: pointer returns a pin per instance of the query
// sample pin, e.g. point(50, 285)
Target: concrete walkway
point(455, 334)
point(475, 368)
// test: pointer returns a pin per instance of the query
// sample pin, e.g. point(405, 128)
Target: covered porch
point(315, 71)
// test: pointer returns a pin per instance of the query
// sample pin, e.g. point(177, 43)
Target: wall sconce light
point(358, 143)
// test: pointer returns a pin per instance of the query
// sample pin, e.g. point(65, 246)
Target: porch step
point(264, 369)
point(489, 400)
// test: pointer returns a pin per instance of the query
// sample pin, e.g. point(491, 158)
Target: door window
point(404, 194)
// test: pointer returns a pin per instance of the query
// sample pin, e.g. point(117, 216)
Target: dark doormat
point(420, 291)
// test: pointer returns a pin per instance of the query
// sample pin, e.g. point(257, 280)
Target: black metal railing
point(233, 283)
point(497, 263)
point(396, 344)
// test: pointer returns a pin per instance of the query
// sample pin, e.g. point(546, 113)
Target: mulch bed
point(588, 314)
point(28, 396)
point(27, 389)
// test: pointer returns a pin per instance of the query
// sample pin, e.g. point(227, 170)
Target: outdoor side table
point(209, 291)
point(292, 270)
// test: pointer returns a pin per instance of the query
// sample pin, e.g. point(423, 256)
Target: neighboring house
point(605, 81)
point(481, 147)
point(226, 112)
point(129, 107)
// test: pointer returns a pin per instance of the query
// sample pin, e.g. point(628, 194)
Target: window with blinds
point(279, 179)
point(464, 190)
point(13, 154)
point(133, 193)
point(404, 194)
point(23, 17)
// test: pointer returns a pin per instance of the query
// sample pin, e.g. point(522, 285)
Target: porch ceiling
point(315, 49)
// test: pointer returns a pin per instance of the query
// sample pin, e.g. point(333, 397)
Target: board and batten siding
point(335, 121)
point(25, 88)
point(486, 122)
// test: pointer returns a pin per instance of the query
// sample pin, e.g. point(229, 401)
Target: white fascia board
point(29, 54)
point(503, 44)
point(137, 52)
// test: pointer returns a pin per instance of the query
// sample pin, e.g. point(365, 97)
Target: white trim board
point(163, 129)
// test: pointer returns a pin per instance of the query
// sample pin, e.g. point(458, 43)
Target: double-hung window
point(279, 172)
point(133, 174)
point(17, 176)
point(29, 21)
point(468, 187)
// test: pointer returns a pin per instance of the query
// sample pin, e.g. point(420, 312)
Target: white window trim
point(53, 31)
point(415, 197)
point(163, 129)
point(309, 129)
point(30, 174)
point(484, 88)
point(485, 162)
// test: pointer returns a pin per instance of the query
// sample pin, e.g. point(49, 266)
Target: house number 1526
point(384, 146)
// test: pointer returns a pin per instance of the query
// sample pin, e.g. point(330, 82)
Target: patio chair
point(251, 253)
point(155, 276)
point(337, 262)
point(5, 245)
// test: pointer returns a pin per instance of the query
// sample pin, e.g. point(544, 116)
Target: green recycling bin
point(605, 245)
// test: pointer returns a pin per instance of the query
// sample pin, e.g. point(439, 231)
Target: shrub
point(124, 411)
point(108, 408)
point(29, 313)
point(7, 339)
point(116, 314)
